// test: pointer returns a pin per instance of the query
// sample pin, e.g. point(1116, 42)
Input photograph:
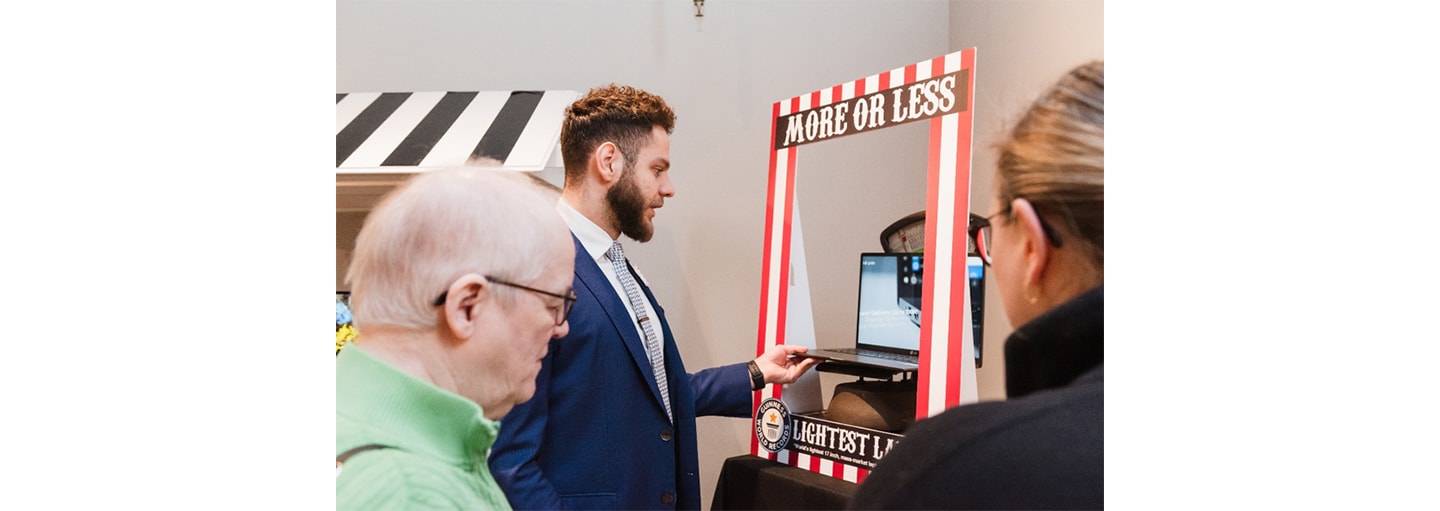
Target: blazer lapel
point(589, 275)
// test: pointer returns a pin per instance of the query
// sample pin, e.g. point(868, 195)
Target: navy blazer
point(595, 435)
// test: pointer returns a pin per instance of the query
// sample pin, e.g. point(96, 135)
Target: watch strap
point(757, 378)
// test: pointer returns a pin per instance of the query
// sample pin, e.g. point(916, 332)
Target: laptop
point(887, 319)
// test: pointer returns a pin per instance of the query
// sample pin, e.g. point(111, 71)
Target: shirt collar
point(595, 240)
point(414, 414)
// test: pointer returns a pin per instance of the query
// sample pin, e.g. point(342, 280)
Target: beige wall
point(721, 73)
point(347, 226)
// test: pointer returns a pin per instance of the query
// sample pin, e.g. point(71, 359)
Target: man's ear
point(609, 162)
point(462, 303)
point(1034, 245)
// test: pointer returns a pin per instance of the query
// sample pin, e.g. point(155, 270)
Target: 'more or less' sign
point(920, 100)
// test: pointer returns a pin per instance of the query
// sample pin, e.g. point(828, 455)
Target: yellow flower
point(344, 335)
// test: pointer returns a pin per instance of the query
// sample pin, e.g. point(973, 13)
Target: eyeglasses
point(560, 315)
point(980, 233)
point(980, 236)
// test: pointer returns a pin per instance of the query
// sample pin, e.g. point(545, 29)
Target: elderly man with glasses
point(459, 279)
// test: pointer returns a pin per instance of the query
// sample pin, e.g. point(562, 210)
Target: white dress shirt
point(596, 242)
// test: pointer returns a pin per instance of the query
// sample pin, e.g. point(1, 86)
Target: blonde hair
point(440, 225)
point(1055, 159)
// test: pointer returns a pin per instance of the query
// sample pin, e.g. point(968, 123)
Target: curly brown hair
point(614, 113)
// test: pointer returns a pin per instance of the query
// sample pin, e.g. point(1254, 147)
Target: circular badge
point(772, 425)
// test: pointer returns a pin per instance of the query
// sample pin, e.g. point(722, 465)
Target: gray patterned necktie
point(652, 340)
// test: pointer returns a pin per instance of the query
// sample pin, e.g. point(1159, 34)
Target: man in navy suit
point(612, 422)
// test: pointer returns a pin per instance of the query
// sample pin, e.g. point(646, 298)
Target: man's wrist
point(757, 378)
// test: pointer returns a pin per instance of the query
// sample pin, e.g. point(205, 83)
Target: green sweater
point(439, 441)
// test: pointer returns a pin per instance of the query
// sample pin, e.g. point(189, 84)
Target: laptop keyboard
point(878, 354)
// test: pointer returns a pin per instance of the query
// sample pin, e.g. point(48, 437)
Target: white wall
point(721, 74)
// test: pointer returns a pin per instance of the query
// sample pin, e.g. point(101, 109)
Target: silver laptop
point(887, 319)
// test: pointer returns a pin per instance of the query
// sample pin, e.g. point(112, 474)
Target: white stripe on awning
point(350, 106)
point(457, 144)
point(533, 148)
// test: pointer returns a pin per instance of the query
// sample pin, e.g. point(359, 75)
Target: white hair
point(440, 225)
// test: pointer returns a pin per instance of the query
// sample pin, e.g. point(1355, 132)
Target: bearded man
point(612, 422)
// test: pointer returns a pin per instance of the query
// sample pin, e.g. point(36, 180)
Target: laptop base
point(861, 370)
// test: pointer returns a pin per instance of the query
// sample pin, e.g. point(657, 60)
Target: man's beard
point(628, 205)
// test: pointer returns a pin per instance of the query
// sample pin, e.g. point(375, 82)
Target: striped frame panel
point(946, 349)
point(385, 132)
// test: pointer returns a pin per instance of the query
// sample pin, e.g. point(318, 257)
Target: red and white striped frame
point(947, 207)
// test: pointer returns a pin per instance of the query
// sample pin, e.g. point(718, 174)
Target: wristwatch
point(757, 378)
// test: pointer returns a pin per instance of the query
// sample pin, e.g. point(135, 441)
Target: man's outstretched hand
point(779, 368)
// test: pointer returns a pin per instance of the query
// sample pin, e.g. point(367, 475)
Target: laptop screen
point(888, 317)
point(889, 313)
point(976, 269)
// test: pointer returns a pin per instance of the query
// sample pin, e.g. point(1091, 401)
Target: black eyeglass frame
point(982, 246)
point(565, 309)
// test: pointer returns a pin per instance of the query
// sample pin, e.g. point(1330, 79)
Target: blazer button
point(665, 435)
point(667, 498)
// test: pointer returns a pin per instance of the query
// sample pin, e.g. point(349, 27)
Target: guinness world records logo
point(772, 425)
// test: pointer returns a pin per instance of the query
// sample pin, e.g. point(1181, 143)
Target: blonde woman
point(1042, 448)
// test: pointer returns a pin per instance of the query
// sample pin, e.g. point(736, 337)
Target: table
point(752, 482)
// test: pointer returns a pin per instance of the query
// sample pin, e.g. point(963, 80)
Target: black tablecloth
point(752, 482)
